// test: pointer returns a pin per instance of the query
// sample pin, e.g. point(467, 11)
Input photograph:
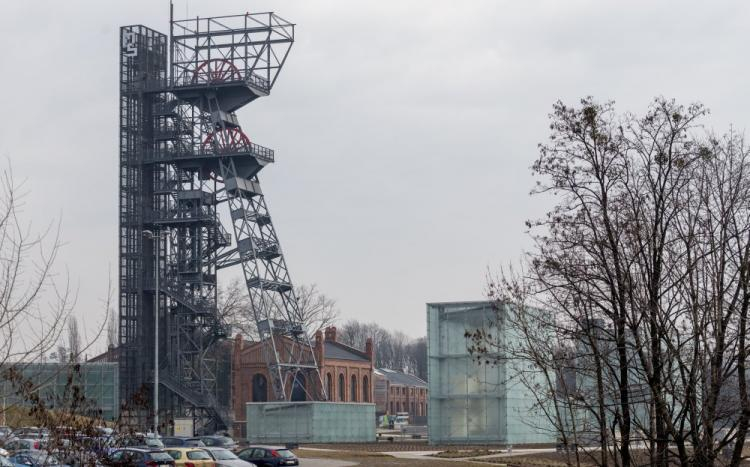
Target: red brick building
point(396, 391)
point(347, 374)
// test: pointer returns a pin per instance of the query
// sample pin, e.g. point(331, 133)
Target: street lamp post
point(157, 238)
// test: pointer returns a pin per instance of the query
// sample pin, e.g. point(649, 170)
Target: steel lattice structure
point(183, 154)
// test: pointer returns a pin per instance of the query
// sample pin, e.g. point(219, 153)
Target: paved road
point(325, 463)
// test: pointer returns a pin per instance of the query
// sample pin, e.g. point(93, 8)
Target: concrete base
point(310, 422)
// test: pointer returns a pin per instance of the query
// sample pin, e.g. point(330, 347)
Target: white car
point(226, 458)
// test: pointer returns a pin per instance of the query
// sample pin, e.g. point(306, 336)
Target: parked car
point(225, 458)
point(268, 456)
point(35, 458)
point(138, 457)
point(139, 441)
point(219, 442)
point(31, 432)
point(17, 444)
point(190, 457)
point(5, 432)
point(175, 441)
point(6, 462)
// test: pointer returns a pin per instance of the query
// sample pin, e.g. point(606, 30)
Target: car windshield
point(160, 456)
point(5, 462)
point(223, 454)
point(154, 443)
point(198, 455)
point(285, 453)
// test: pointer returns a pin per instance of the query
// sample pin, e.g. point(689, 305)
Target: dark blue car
point(268, 456)
point(135, 457)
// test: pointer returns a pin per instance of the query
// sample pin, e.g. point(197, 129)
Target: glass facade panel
point(469, 402)
point(99, 381)
point(310, 422)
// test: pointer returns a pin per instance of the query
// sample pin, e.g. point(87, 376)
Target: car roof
point(213, 448)
point(266, 446)
point(140, 449)
point(183, 448)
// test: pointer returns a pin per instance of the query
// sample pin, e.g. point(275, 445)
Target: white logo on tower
point(130, 46)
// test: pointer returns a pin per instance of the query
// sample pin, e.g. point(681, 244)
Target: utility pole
point(157, 240)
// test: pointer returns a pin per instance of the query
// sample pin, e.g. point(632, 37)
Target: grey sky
point(403, 130)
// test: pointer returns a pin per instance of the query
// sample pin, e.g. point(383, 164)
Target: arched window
point(329, 387)
point(365, 389)
point(353, 389)
point(342, 388)
point(260, 388)
point(298, 389)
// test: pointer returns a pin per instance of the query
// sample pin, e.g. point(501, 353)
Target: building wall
point(392, 398)
point(99, 381)
point(248, 362)
point(310, 422)
point(469, 402)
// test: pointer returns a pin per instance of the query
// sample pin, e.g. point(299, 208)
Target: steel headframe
point(183, 153)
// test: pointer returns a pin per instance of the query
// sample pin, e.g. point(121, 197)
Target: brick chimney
point(319, 352)
point(331, 333)
point(369, 350)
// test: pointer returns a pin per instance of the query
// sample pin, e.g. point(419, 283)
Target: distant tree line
point(393, 349)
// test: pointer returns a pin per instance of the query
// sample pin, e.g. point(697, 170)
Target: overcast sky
point(403, 131)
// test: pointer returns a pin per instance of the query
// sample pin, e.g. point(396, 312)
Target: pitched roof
point(399, 377)
point(338, 351)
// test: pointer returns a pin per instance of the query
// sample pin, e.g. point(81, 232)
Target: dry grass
point(461, 453)
point(370, 459)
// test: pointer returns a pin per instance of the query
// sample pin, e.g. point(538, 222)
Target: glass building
point(473, 403)
point(310, 422)
point(99, 381)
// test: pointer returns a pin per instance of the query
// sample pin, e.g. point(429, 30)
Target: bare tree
point(112, 330)
point(393, 349)
point(74, 340)
point(317, 309)
point(34, 302)
point(643, 263)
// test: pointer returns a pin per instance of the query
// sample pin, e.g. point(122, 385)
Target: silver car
point(226, 458)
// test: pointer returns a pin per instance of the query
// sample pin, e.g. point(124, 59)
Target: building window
point(299, 394)
point(329, 387)
point(342, 388)
point(392, 411)
point(260, 388)
point(412, 411)
point(365, 389)
point(353, 389)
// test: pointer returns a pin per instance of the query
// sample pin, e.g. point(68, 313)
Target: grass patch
point(339, 455)
point(460, 453)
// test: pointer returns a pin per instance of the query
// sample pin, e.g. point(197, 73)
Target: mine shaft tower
point(183, 154)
